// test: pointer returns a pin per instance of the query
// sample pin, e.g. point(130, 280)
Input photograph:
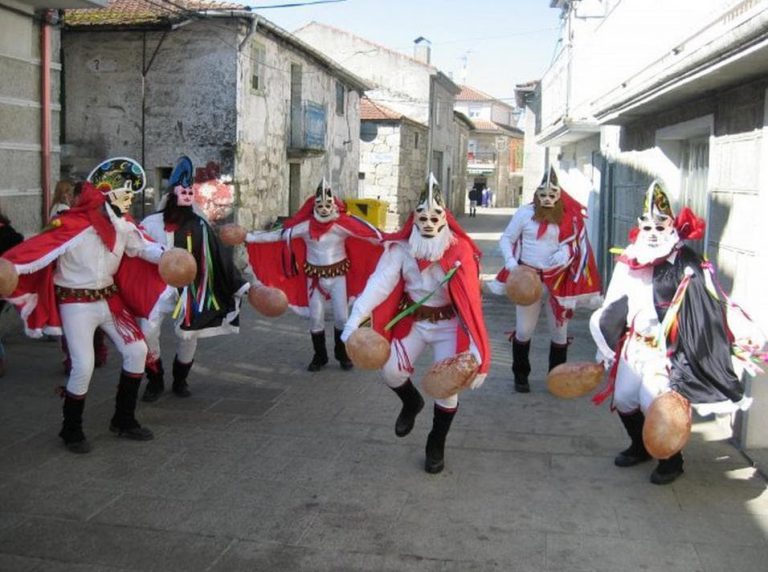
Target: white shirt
point(534, 252)
point(326, 250)
point(397, 261)
point(88, 263)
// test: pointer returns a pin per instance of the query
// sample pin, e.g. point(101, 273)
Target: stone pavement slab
point(268, 467)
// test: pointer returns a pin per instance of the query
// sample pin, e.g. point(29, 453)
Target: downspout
point(45, 113)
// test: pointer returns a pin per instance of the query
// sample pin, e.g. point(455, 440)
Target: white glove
point(478, 381)
point(559, 258)
point(510, 264)
point(349, 329)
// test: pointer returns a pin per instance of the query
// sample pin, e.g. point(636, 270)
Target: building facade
point(634, 96)
point(30, 107)
point(408, 85)
point(263, 116)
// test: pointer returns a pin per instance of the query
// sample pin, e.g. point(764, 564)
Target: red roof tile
point(131, 12)
point(471, 94)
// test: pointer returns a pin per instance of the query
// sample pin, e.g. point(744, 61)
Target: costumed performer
point(432, 267)
point(93, 268)
point(664, 327)
point(210, 305)
point(550, 237)
point(320, 254)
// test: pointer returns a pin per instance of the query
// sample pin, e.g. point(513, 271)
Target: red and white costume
point(85, 251)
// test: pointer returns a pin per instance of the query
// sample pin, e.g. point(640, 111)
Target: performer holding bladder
point(210, 305)
point(664, 331)
point(547, 238)
point(429, 273)
point(320, 254)
point(82, 273)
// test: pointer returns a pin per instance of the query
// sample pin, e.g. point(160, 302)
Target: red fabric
point(138, 281)
point(464, 289)
point(689, 226)
point(281, 265)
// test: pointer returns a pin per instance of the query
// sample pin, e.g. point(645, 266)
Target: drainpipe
point(45, 113)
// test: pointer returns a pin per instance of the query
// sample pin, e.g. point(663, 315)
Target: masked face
point(655, 231)
point(325, 206)
point(185, 196)
point(548, 196)
point(430, 220)
point(121, 198)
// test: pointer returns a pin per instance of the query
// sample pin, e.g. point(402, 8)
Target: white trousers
point(440, 336)
point(336, 288)
point(79, 321)
point(526, 318)
point(185, 348)
point(640, 378)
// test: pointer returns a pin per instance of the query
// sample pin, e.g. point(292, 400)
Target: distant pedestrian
point(473, 200)
point(484, 197)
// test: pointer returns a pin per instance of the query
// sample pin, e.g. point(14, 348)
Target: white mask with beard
point(656, 239)
point(433, 248)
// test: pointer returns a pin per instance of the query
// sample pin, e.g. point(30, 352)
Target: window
point(415, 140)
point(438, 111)
point(340, 91)
point(258, 57)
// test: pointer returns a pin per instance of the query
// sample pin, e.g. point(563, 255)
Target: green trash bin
point(372, 210)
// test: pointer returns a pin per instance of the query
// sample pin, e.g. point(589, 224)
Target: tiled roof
point(484, 125)
point(471, 94)
point(372, 111)
point(132, 12)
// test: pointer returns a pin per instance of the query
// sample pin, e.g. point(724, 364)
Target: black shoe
point(137, 433)
point(668, 470)
point(346, 365)
point(181, 389)
point(521, 365)
point(435, 451)
point(522, 386)
point(79, 447)
point(413, 403)
point(434, 465)
point(152, 394)
point(317, 363)
point(630, 457)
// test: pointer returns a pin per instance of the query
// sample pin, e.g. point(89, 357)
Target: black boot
point(558, 353)
point(413, 402)
point(635, 453)
point(180, 373)
point(155, 384)
point(668, 470)
point(441, 423)
point(340, 351)
point(521, 366)
point(320, 359)
point(124, 420)
point(72, 426)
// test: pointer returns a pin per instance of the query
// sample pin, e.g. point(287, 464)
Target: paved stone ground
point(268, 467)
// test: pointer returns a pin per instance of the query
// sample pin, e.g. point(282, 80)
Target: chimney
point(422, 49)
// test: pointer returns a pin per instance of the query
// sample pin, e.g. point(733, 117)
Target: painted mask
point(429, 215)
point(185, 196)
point(325, 205)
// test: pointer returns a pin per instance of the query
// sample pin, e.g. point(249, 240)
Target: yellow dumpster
point(372, 210)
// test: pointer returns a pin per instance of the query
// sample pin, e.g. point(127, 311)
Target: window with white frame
point(258, 58)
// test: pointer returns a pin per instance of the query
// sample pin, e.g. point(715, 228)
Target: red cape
point(464, 289)
point(138, 281)
point(281, 264)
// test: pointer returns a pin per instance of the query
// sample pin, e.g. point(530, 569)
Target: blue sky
point(505, 42)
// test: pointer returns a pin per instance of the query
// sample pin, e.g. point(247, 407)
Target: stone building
point(411, 86)
point(393, 158)
point(30, 107)
point(494, 153)
point(257, 110)
point(643, 89)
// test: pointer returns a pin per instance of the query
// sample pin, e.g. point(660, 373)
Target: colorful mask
point(119, 179)
point(657, 234)
point(429, 215)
